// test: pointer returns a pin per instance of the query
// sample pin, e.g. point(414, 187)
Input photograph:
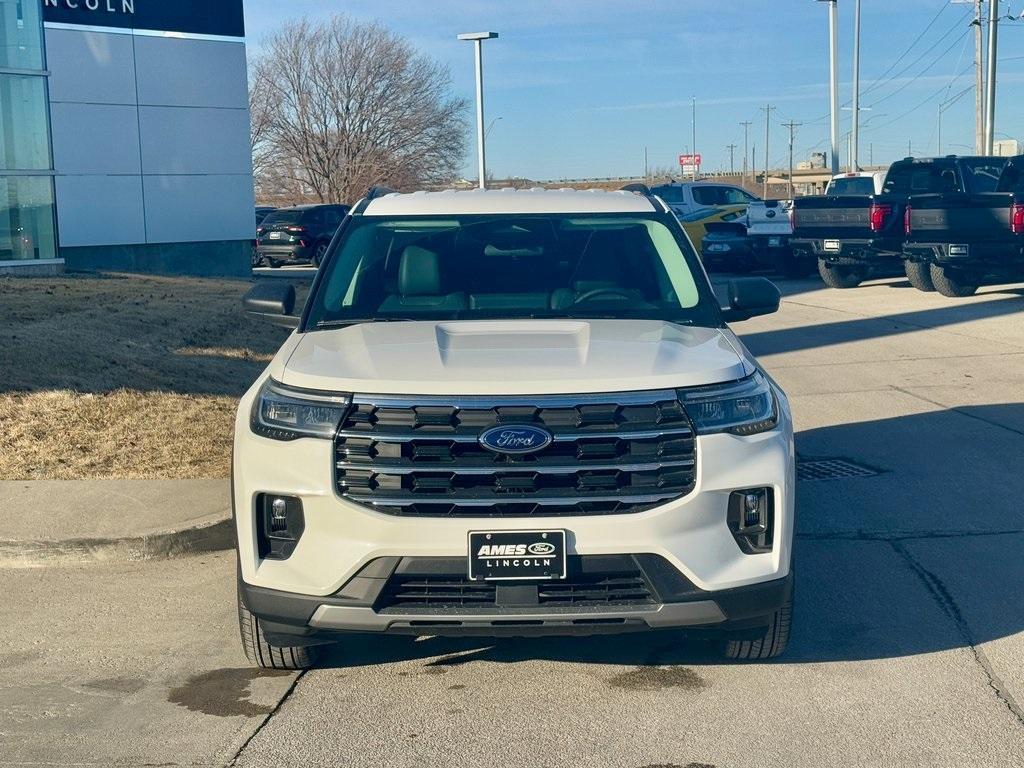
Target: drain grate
point(831, 469)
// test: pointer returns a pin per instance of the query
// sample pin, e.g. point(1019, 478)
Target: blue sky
point(582, 86)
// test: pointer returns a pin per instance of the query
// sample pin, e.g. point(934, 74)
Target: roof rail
point(379, 190)
point(371, 194)
point(640, 189)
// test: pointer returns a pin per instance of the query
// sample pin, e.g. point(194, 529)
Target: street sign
point(690, 164)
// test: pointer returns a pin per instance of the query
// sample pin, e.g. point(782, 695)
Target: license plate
point(774, 242)
point(718, 248)
point(276, 235)
point(516, 555)
point(959, 250)
point(833, 245)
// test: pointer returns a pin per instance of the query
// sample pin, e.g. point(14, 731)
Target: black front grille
point(616, 580)
point(612, 454)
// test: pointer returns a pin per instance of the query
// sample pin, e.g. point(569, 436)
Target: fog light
point(280, 524)
point(751, 519)
point(279, 515)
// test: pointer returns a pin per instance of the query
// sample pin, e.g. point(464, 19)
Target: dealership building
point(124, 136)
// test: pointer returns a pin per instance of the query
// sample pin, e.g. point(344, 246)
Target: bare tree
point(343, 105)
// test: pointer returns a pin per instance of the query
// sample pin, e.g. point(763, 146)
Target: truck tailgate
point(960, 219)
point(839, 218)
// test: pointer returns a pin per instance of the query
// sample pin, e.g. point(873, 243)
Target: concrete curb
point(210, 535)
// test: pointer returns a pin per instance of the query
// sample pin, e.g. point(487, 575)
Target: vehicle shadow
point(819, 335)
point(919, 561)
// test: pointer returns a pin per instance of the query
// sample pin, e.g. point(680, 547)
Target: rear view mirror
point(273, 302)
point(751, 297)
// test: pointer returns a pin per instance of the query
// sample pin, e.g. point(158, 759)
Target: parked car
point(696, 223)
point(856, 184)
point(299, 234)
point(512, 413)
point(685, 198)
point(262, 211)
point(770, 229)
point(855, 237)
point(963, 240)
point(726, 247)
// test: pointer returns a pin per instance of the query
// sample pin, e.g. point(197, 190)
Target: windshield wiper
point(358, 321)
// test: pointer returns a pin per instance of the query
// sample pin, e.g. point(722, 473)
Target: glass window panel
point(26, 218)
point(24, 128)
point(21, 34)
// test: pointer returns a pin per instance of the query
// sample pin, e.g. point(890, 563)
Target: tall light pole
point(979, 79)
point(481, 138)
point(833, 46)
point(855, 133)
point(693, 124)
point(990, 98)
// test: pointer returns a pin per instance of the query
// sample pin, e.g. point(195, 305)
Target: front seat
point(419, 285)
point(600, 266)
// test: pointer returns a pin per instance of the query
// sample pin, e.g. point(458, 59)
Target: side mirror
point(273, 302)
point(751, 297)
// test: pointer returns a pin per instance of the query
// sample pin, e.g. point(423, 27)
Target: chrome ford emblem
point(770, 214)
point(516, 439)
point(541, 548)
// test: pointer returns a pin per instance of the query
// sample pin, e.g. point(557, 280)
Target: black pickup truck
point(965, 240)
point(855, 237)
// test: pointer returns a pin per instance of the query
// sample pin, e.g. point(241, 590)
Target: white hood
point(508, 357)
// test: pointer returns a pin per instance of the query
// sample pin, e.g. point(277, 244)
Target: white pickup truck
point(512, 413)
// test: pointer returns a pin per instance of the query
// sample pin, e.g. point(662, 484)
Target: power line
point(942, 9)
point(924, 71)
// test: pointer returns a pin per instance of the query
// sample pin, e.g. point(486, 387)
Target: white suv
point(512, 413)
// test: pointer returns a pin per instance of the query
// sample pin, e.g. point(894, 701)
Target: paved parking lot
point(906, 647)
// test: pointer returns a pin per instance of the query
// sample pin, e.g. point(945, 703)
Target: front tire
point(769, 645)
point(262, 654)
point(919, 275)
point(840, 276)
point(951, 283)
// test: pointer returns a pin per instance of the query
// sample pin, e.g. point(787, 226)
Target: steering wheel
point(622, 293)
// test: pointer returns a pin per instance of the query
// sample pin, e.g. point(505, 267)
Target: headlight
point(286, 413)
point(744, 407)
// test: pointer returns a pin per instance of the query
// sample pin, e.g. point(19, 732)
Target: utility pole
point(871, 154)
point(855, 134)
point(979, 79)
point(732, 159)
point(746, 146)
point(768, 109)
point(647, 172)
point(792, 137)
point(993, 60)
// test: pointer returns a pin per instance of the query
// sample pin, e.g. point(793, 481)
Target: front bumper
point(290, 619)
point(689, 535)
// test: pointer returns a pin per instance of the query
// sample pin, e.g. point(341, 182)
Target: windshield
point(862, 186)
point(512, 267)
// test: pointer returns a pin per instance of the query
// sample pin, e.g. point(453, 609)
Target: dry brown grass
point(123, 376)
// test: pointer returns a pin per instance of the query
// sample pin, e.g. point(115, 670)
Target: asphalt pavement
point(906, 645)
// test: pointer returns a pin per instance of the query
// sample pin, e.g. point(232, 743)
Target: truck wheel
point(840, 276)
point(318, 255)
point(919, 275)
point(951, 283)
point(771, 644)
point(261, 654)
